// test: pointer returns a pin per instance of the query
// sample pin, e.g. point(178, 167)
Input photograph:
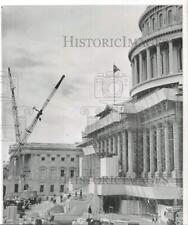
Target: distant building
point(42, 167)
point(136, 146)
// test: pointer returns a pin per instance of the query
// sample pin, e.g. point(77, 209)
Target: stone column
point(97, 146)
point(131, 150)
point(167, 150)
point(159, 155)
point(151, 146)
point(133, 75)
point(114, 144)
point(176, 173)
point(105, 145)
point(170, 44)
point(124, 151)
point(102, 143)
point(135, 71)
point(109, 145)
point(158, 61)
point(119, 149)
point(145, 153)
point(140, 67)
point(148, 64)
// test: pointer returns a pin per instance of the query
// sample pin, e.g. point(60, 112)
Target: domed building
point(137, 153)
point(156, 57)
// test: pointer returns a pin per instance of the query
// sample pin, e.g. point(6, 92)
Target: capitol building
point(134, 150)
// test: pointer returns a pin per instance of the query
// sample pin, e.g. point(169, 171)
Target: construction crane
point(14, 108)
point(20, 141)
point(29, 130)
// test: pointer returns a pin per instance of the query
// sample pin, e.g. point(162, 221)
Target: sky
point(33, 47)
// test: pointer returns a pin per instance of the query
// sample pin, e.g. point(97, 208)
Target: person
point(81, 194)
point(89, 212)
point(52, 219)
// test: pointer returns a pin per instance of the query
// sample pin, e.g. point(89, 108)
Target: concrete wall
point(109, 167)
point(129, 207)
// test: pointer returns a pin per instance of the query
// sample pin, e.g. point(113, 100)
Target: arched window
point(42, 172)
point(143, 31)
point(160, 20)
point(169, 17)
point(147, 26)
point(153, 23)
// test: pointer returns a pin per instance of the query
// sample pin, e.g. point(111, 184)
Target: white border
point(185, 68)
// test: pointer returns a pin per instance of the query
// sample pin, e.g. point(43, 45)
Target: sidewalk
point(40, 209)
point(121, 219)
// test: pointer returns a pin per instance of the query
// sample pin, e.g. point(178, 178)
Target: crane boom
point(14, 108)
point(29, 130)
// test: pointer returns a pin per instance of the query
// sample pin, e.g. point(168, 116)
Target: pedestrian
point(61, 198)
point(52, 219)
point(80, 193)
point(89, 212)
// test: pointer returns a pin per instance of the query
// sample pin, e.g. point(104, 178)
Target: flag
point(115, 68)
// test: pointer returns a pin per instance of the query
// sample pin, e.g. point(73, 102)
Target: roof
point(133, 107)
point(49, 146)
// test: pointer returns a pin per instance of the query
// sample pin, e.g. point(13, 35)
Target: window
point(153, 24)
point(153, 64)
point(165, 60)
point(26, 186)
point(16, 188)
point(72, 173)
point(53, 158)
point(72, 159)
point(143, 28)
point(180, 58)
point(147, 26)
point(61, 188)
point(43, 158)
point(160, 20)
point(62, 172)
point(180, 14)
point(170, 17)
point(41, 188)
point(53, 171)
point(42, 172)
point(62, 158)
point(51, 188)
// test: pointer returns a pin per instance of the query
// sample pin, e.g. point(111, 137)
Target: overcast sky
point(33, 46)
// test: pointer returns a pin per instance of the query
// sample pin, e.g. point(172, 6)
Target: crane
point(14, 108)
point(20, 141)
point(29, 130)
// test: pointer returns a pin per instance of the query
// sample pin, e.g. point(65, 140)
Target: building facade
point(141, 139)
point(42, 167)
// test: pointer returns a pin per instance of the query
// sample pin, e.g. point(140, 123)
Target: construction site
point(128, 169)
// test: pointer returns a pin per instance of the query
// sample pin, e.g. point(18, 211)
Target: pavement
point(79, 207)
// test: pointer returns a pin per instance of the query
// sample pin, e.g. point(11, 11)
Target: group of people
point(154, 219)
